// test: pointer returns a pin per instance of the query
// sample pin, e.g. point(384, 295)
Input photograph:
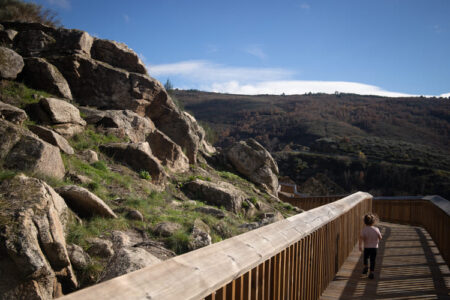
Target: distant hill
point(410, 135)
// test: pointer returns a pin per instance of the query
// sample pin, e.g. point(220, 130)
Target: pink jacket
point(370, 235)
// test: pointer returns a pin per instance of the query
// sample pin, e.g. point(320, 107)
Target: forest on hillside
point(389, 146)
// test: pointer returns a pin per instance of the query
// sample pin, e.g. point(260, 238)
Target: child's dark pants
point(370, 253)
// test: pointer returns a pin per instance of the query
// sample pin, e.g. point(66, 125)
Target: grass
point(78, 233)
point(18, 94)
point(89, 139)
point(6, 174)
point(179, 242)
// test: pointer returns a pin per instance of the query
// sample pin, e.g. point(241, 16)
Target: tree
point(18, 10)
point(168, 85)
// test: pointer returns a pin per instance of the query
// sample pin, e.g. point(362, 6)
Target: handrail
point(430, 212)
point(295, 256)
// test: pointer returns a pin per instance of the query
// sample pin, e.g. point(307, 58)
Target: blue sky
point(384, 47)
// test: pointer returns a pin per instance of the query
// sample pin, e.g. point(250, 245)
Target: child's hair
point(370, 219)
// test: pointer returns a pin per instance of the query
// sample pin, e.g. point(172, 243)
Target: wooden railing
point(430, 212)
point(295, 258)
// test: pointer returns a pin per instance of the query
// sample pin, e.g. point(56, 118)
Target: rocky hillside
point(102, 174)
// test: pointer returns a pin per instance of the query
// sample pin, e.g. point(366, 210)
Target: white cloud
point(61, 3)
point(126, 18)
point(208, 76)
point(445, 95)
point(208, 72)
point(256, 51)
point(292, 87)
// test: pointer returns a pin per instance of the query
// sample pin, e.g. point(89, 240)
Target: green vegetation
point(18, 94)
point(90, 139)
point(145, 175)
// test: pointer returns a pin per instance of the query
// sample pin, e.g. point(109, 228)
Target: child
point(370, 236)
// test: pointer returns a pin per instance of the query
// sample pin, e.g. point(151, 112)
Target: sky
point(377, 47)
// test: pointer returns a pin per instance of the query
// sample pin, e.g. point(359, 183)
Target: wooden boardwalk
point(408, 266)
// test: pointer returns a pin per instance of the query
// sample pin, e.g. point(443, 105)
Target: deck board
point(408, 266)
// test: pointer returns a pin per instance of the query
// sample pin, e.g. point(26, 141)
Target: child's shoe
point(371, 275)
point(365, 270)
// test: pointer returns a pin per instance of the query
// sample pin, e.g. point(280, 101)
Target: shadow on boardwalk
point(408, 266)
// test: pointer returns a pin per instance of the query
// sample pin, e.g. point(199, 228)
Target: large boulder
point(12, 114)
point(36, 39)
point(138, 156)
point(64, 117)
point(22, 150)
point(218, 194)
point(117, 55)
point(11, 63)
point(122, 123)
point(33, 258)
point(85, 203)
point(169, 153)
point(52, 137)
point(253, 161)
point(40, 74)
point(98, 84)
point(127, 260)
point(61, 111)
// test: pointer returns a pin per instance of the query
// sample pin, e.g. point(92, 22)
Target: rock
point(218, 194)
point(12, 114)
point(77, 178)
point(33, 42)
point(166, 229)
point(100, 247)
point(79, 259)
point(127, 260)
point(211, 211)
point(117, 55)
point(255, 162)
point(249, 226)
point(85, 203)
point(11, 63)
point(272, 217)
point(22, 150)
point(7, 37)
point(52, 137)
point(180, 129)
point(169, 153)
point(122, 123)
point(70, 41)
point(40, 74)
point(90, 156)
point(200, 235)
point(32, 241)
point(68, 130)
point(138, 156)
point(97, 84)
point(250, 209)
point(61, 112)
point(133, 238)
point(135, 215)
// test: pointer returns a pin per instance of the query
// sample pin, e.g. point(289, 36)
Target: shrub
point(145, 175)
point(18, 10)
